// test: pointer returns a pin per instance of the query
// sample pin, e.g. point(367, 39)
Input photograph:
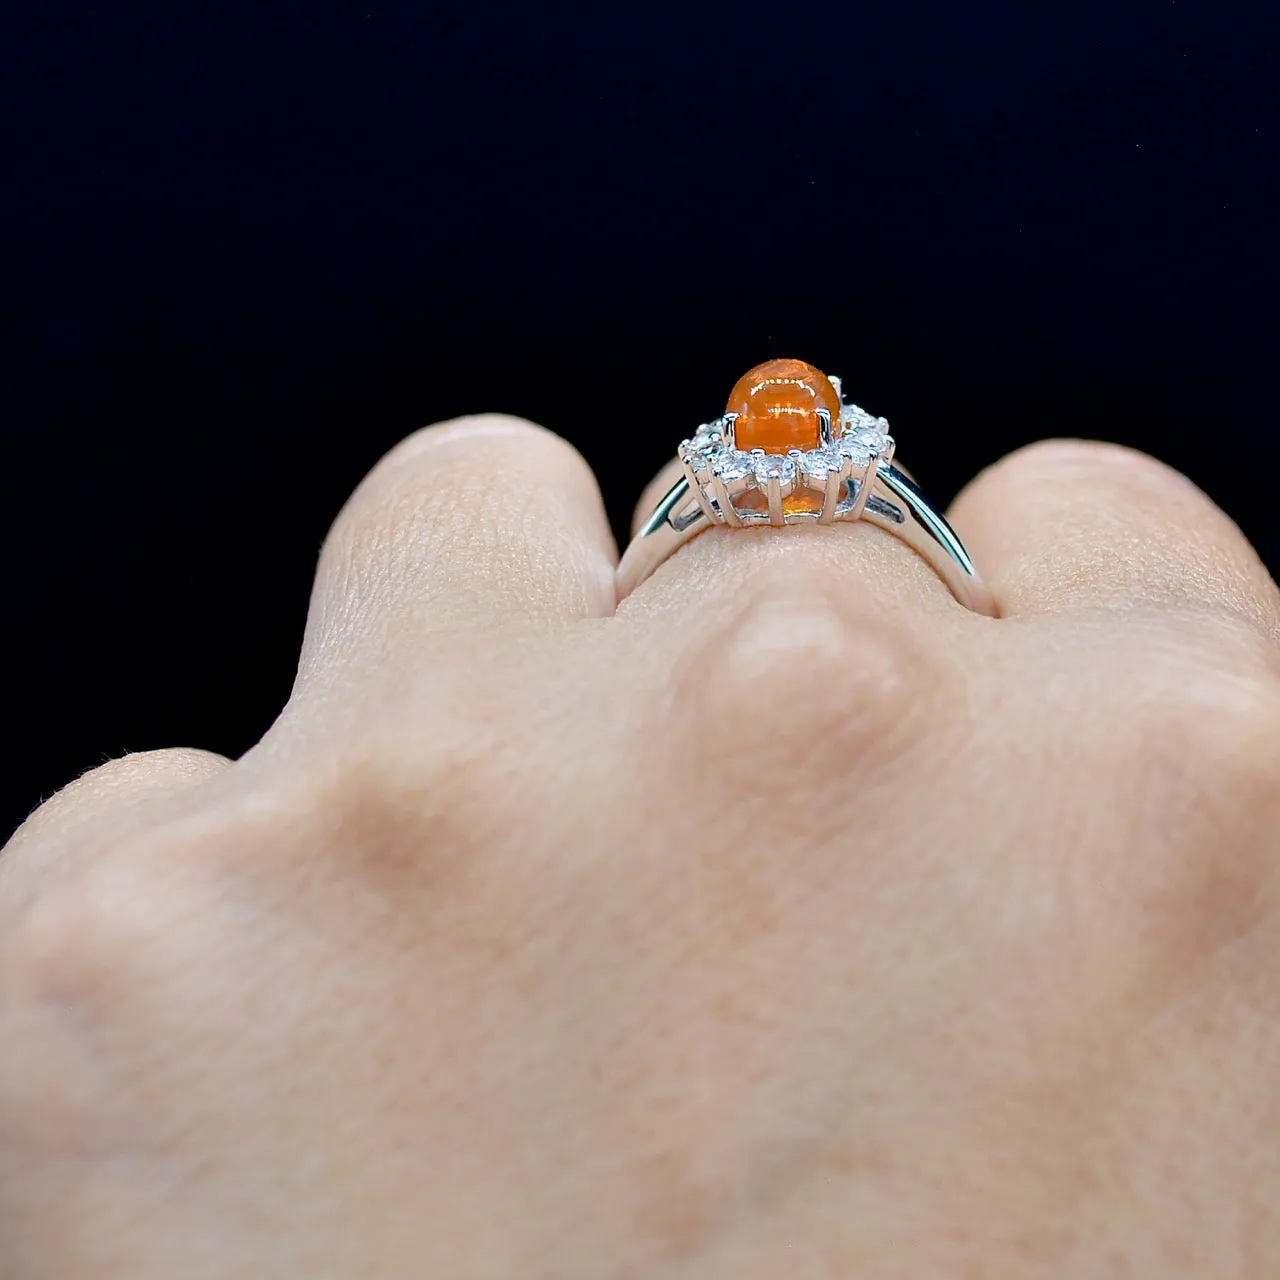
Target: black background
point(246, 247)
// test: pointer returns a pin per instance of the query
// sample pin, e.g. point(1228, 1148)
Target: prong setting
point(777, 517)
point(830, 497)
point(865, 481)
point(697, 472)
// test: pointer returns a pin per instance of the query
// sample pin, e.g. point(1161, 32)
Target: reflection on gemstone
point(854, 449)
point(819, 462)
point(697, 453)
point(778, 406)
point(803, 501)
point(730, 464)
point(864, 427)
point(782, 399)
point(773, 466)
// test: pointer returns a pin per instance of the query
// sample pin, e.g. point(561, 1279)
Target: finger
point(1068, 524)
point(100, 806)
point(463, 526)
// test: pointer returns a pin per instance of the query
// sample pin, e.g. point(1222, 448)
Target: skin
point(784, 920)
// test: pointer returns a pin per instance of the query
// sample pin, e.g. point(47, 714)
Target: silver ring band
point(893, 503)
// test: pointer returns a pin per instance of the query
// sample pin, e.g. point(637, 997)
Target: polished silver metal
point(824, 418)
point(865, 484)
point(830, 497)
point(724, 486)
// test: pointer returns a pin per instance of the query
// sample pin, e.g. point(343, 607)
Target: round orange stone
point(777, 405)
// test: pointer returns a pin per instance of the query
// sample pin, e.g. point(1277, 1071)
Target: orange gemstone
point(777, 405)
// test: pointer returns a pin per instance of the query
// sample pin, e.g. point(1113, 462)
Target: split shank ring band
point(788, 450)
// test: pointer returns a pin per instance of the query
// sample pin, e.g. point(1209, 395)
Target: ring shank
point(894, 504)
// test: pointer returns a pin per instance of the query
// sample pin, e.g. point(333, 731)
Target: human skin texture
point(784, 920)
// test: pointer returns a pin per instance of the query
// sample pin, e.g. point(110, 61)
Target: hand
point(788, 921)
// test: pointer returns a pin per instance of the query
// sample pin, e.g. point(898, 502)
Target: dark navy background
point(246, 247)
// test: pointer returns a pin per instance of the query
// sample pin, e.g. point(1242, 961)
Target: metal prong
point(729, 419)
point(830, 497)
point(864, 490)
point(724, 502)
point(838, 383)
point(824, 419)
point(703, 501)
point(776, 516)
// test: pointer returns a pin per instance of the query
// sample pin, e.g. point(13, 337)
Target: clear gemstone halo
point(732, 464)
point(854, 449)
point(819, 463)
point(773, 466)
point(871, 432)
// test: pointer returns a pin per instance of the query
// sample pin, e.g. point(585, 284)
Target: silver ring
point(845, 473)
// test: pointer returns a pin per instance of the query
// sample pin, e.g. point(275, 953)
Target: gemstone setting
point(819, 463)
point(816, 481)
point(781, 405)
point(732, 464)
point(773, 466)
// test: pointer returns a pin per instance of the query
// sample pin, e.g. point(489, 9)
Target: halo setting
point(786, 449)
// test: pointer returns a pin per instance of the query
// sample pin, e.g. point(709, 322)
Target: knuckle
point(817, 683)
point(824, 703)
point(77, 939)
point(381, 807)
point(67, 963)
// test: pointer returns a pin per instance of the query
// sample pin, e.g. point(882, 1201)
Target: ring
point(788, 450)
